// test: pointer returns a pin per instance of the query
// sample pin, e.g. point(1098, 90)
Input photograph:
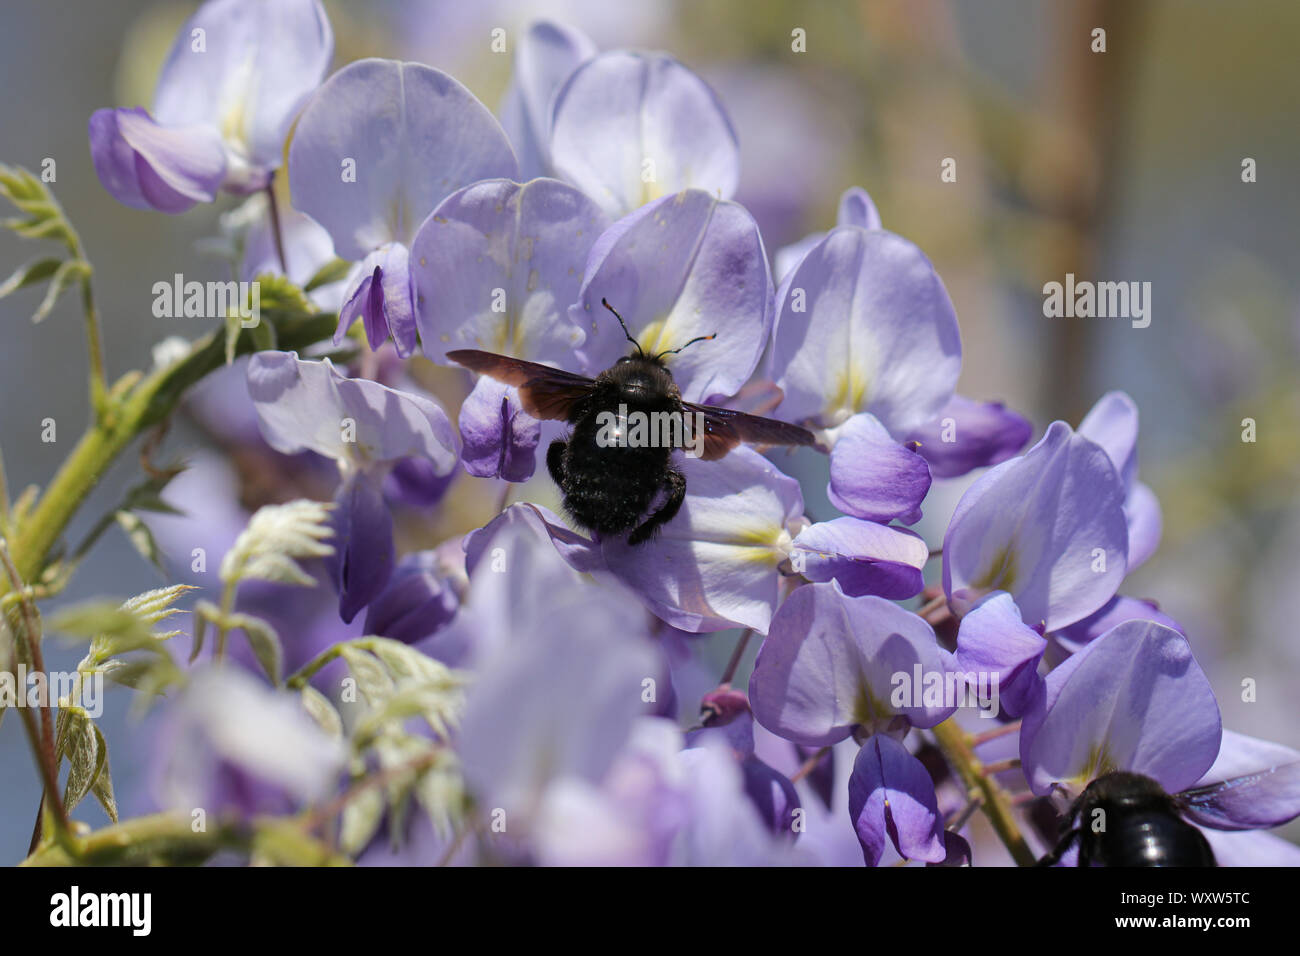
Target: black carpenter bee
point(609, 479)
point(1127, 819)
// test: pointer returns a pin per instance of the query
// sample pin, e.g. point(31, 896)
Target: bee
point(610, 484)
point(1127, 819)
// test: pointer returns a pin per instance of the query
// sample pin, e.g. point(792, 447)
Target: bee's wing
point(725, 428)
point(544, 392)
point(1229, 804)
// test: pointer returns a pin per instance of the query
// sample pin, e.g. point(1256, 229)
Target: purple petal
point(231, 742)
point(259, 63)
point(873, 476)
point(557, 694)
point(413, 136)
point(1113, 424)
point(1047, 527)
point(305, 405)
point(687, 265)
point(545, 56)
point(1142, 511)
point(629, 128)
point(892, 797)
point(365, 301)
point(307, 246)
point(864, 557)
point(856, 209)
point(714, 566)
point(967, 435)
point(1252, 848)
point(1253, 784)
point(398, 302)
point(148, 166)
point(498, 265)
point(1135, 699)
point(992, 639)
point(956, 851)
point(864, 325)
point(771, 793)
point(1116, 611)
point(500, 437)
point(363, 544)
point(415, 482)
point(417, 601)
point(580, 553)
point(832, 662)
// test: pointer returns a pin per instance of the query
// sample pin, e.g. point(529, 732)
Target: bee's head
point(640, 355)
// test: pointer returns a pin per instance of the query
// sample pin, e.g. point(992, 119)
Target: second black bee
point(1127, 819)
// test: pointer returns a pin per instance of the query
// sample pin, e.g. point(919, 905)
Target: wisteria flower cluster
point(370, 668)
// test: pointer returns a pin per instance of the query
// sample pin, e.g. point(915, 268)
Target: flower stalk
point(956, 746)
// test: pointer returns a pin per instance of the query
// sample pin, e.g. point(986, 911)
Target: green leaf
point(332, 271)
point(44, 217)
point(372, 677)
point(117, 626)
point(322, 711)
point(102, 788)
point(360, 820)
point(233, 328)
point(30, 274)
point(147, 495)
point(437, 702)
point(157, 605)
point(141, 538)
point(280, 300)
point(404, 661)
point(263, 335)
point(278, 536)
point(85, 754)
point(264, 642)
point(127, 673)
point(71, 271)
point(441, 792)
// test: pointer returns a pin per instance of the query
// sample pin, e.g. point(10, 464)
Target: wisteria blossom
point(859, 609)
point(236, 76)
point(367, 428)
point(1010, 532)
point(377, 148)
point(628, 128)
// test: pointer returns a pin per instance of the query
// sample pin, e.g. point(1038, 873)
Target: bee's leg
point(1054, 857)
point(555, 460)
point(675, 485)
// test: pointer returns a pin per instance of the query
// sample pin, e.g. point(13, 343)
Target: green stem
point(98, 389)
point(135, 405)
point(305, 673)
point(956, 746)
point(227, 607)
point(171, 838)
point(4, 499)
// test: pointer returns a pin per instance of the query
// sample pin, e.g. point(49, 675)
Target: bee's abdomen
point(609, 490)
point(1155, 839)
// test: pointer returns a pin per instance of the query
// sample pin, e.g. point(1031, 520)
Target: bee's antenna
point(698, 338)
point(635, 343)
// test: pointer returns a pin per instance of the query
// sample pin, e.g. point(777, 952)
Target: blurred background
point(1124, 165)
